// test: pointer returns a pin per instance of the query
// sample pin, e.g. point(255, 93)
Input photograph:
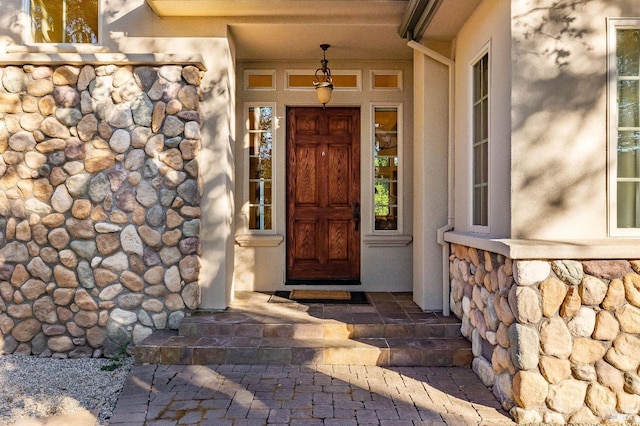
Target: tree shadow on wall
point(557, 22)
point(559, 139)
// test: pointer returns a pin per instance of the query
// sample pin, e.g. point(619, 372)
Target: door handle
point(356, 215)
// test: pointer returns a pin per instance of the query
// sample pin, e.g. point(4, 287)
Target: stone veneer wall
point(99, 205)
point(558, 340)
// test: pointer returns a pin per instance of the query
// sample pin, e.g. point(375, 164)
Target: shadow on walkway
point(305, 395)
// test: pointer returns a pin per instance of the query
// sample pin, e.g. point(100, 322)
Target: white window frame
point(250, 72)
point(614, 24)
point(246, 161)
point(372, 177)
point(27, 35)
point(485, 50)
point(397, 73)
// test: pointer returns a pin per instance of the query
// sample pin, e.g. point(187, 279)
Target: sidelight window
point(386, 166)
point(64, 21)
point(261, 137)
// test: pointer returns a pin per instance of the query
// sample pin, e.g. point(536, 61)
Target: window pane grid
point(260, 167)
point(386, 164)
point(480, 143)
point(628, 128)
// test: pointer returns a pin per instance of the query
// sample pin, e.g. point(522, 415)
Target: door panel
point(339, 165)
point(323, 191)
point(338, 234)
point(307, 247)
point(306, 178)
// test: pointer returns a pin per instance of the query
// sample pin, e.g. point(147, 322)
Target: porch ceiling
point(272, 30)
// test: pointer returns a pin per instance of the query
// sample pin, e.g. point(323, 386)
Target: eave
point(435, 20)
point(269, 30)
point(276, 8)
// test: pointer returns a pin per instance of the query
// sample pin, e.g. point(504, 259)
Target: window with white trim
point(624, 124)
point(64, 21)
point(260, 134)
point(348, 80)
point(260, 80)
point(386, 167)
point(386, 80)
point(480, 142)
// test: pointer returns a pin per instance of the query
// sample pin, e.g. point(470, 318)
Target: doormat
point(320, 294)
point(324, 296)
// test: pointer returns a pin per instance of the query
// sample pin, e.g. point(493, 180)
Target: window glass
point(386, 162)
point(305, 81)
point(480, 195)
point(260, 167)
point(260, 81)
point(386, 80)
point(628, 127)
point(628, 54)
point(64, 21)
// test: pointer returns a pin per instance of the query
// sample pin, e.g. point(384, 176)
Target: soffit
point(294, 29)
point(271, 8)
point(448, 19)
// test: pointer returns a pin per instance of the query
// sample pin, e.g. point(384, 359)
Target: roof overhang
point(270, 30)
point(435, 20)
point(275, 8)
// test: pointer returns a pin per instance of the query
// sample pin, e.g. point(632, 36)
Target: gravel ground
point(40, 387)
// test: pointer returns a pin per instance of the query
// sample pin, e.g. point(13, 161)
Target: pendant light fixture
point(323, 82)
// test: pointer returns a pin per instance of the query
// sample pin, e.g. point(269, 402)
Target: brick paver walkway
point(341, 395)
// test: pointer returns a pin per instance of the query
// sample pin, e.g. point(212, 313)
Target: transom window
point(64, 21)
point(260, 133)
point(342, 79)
point(628, 127)
point(260, 80)
point(480, 167)
point(386, 80)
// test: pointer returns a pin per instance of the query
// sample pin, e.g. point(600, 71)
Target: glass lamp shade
point(324, 93)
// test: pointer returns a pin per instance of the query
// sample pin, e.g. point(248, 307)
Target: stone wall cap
point(606, 248)
point(37, 56)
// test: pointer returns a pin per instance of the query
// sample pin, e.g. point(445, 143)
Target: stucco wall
point(430, 204)
point(548, 116)
point(99, 204)
point(133, 18)
point(488, 27)
point(558, 340)
point(559, 119)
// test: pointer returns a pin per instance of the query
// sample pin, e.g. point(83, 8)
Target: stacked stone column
point(558, 340)
point(99, 205)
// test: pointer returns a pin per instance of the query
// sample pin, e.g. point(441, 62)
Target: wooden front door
point(323, 196)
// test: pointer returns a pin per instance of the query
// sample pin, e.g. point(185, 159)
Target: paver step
point(262, 329)
point(239, 324)
point(166, 347)
point(196, 327)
